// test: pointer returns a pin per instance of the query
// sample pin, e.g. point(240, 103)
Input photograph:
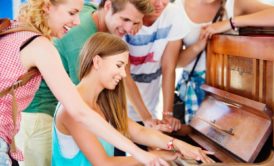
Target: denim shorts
point(4, 156)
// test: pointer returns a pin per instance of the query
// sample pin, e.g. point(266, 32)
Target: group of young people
point(122, 49)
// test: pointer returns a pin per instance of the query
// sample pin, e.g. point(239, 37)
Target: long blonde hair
point(111, 102)
point(33, 15)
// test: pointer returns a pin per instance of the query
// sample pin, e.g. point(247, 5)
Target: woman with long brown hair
point(102, 68)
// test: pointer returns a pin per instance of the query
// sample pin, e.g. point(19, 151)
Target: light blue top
point(79, 159)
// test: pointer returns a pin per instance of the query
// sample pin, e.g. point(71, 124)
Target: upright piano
point(235, 120)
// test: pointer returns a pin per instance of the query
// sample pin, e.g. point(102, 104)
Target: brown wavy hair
point(143, 6)
point(111, 102)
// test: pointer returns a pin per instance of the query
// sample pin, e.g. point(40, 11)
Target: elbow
point(180, 64)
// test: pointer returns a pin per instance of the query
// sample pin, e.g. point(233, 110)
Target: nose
point(128, 27)
point(76, 20)
point(123, 72)
point(159, 3)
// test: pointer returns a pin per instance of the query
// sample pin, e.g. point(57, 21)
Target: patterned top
point(11, 69)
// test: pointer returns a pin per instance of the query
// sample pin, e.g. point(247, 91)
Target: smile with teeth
point(67, 28)
point(117, 81)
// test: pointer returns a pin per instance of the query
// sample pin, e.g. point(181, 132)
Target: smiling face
point(122, 22)
point(113, 69)
point(61, 17)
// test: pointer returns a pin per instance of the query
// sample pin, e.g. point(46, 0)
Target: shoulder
point(41, 43)
point(173, 14)
point(40, 51)
point(172, 9)
point(176, 18)
point(89, 6)
point(87, 9)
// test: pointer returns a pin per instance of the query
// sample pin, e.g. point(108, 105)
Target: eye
point(119, 65)
point(72, 13)
point(136, 23)
point(126, 19)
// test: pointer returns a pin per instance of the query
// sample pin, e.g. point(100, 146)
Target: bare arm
point(169, 60)
point(253, 13)
point(89, 143)
point(190, 53)
point(42, 54)
point(243, 7)
point(247, 13)
point(136, 100)
point(135, 97)
point(157, 139)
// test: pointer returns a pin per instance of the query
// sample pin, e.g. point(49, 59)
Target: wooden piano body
point(242, 66)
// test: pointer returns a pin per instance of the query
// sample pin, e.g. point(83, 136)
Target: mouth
point(116, 81)
point(158, 10)
point(66, 28)
point(121, 33)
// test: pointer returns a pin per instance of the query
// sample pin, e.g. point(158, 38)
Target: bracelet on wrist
point(167, 113)
point(170, 145)
point(232, 24)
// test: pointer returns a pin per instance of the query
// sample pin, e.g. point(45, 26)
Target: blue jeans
point(4, 156)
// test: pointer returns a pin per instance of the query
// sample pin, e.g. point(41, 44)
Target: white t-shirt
point(146, 49)
point(194, 33)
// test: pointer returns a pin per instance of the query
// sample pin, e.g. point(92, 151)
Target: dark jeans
point(118, 152)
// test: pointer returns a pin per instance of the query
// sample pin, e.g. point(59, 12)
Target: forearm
point(262, 18)
point(120, 161)
point(169, 63)
point(168, 84)
point(136, 99)
point(154, 138)
point(189, 54)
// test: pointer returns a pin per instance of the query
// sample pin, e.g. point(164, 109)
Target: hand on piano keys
point(192, 152)
point(185, 162)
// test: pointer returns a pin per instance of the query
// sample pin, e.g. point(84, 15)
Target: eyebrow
point(122, 62)
point(76, 10)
